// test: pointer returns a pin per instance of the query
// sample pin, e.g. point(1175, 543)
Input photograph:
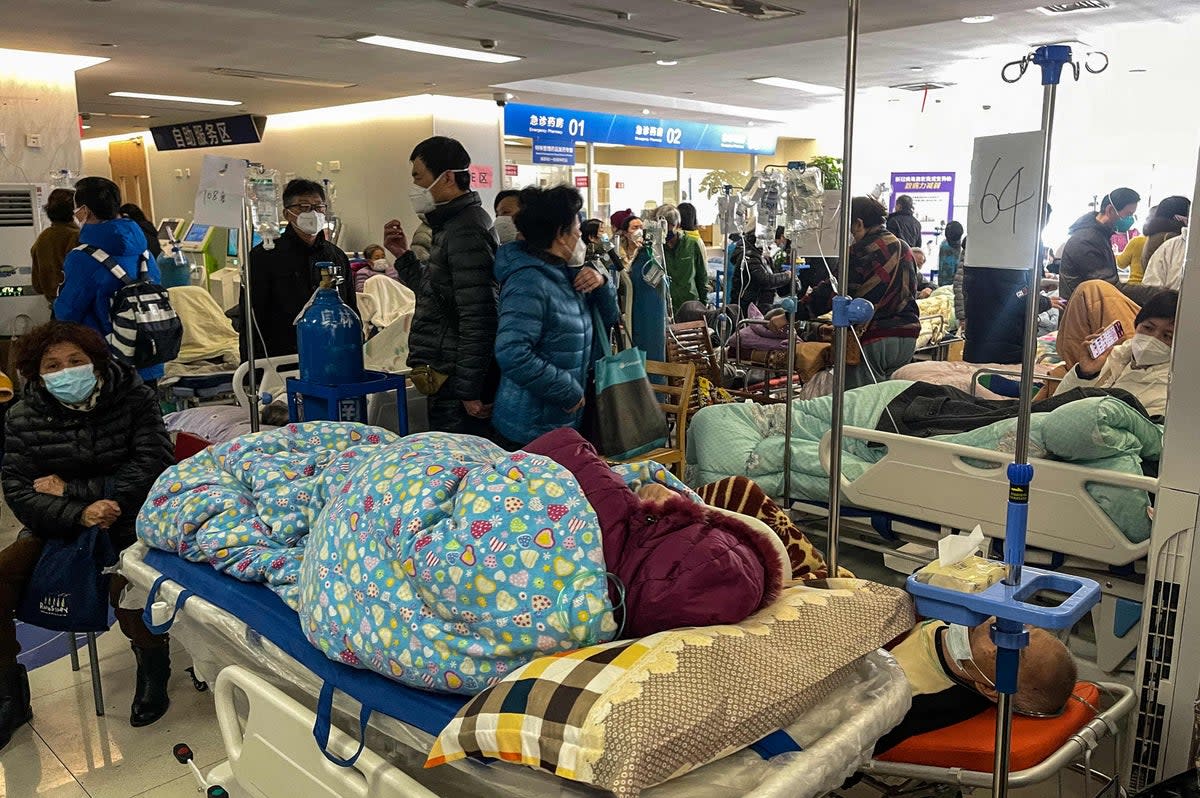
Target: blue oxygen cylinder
point(329, 337)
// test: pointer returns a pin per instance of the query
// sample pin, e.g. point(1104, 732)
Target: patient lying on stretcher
point(952, 671)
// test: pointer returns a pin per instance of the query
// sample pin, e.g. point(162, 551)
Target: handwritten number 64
point(991, 205)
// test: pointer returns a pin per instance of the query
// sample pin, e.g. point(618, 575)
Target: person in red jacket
point(681, 563)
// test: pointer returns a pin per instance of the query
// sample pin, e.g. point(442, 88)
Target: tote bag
point(628, 419)
point(67, 591)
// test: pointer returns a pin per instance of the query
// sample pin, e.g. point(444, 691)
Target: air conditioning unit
point(1079, 6)
point(21, 220)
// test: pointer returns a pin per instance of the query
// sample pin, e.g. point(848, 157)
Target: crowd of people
point(513, 309)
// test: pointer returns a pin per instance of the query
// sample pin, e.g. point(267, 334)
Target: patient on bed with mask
point(952, 671)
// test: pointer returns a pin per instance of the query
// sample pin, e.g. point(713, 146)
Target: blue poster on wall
point(932, 195)
point(559, 125)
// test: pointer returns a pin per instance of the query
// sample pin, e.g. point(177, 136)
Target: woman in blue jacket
point(546, 339)
point(88, 287)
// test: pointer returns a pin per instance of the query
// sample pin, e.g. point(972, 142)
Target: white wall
point(40, 102)
point(371, 140)
point(1113, 129)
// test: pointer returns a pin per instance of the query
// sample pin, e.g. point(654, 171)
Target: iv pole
point(840, 331)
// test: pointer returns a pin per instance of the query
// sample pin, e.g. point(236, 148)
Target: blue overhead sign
point(244, 129)
point(559, 153)
point(564, 125)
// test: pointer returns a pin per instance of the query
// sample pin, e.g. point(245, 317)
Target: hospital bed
point(972, 485)
point(223, 622)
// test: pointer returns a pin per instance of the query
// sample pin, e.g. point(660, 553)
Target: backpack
point(146, 331)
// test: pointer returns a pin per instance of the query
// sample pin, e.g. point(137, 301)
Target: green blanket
point(748, 440)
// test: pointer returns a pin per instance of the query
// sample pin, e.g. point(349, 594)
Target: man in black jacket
point(1088, 254)
point(756, 280)
point(903, 224)
point(283, 279)
point(454, 326)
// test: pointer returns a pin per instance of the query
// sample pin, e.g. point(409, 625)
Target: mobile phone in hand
point(1112, 335)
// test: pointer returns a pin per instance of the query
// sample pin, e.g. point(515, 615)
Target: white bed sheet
point(836, 737)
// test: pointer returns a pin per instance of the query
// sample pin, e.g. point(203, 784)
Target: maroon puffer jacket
point(682, 564)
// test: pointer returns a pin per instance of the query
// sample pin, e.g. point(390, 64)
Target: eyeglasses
point(304, 207)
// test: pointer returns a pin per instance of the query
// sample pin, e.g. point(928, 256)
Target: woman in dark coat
point(756, 280)
point(82, 448)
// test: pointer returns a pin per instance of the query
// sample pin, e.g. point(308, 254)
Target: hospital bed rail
point(1063, 517)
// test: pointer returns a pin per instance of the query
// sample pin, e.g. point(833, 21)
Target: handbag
point(427, 380)
point(628, 419)
point(68, 591)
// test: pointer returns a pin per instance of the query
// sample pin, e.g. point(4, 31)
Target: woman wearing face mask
point(1141, 365)
point(377, 263)
point(83, 447)
point(884, 272)
point(643, 306)
point(546, 340)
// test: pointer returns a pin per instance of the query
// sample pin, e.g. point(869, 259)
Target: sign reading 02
point(567, 125)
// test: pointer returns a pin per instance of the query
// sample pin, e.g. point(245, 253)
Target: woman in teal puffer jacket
point(546, 339)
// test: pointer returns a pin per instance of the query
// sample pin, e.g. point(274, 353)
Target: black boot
point(150, 699)
point(14, 701)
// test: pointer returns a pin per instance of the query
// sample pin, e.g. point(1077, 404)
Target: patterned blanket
point(246, 506)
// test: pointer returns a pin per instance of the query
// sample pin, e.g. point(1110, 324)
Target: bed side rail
point(935, 481)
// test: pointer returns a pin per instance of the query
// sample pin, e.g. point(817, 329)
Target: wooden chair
point(690, 342)
point(675, 395)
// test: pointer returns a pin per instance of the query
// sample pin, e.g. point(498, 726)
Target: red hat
point(621, 218)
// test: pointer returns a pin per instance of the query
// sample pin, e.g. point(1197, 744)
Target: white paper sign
point(222, 189)
point(1002, 219)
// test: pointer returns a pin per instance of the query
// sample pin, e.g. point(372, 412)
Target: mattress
point(835, 737)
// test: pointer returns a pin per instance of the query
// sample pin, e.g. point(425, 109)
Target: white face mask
point(1149, 351)
point(421, 199)
point(579, 255)
point(638, 235)
point(380, 265)
point(310, 223)
point(506, 229)
point(958, 642)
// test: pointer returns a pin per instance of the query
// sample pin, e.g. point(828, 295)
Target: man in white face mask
point(283, 279)
point(952, 672)
point(506, 206)
point(454, 326)
point(1141, 365)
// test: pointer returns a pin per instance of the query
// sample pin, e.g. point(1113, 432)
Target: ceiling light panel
point(1075, 8)
point(798, 85)
point(30, 60)
point(439, 49)
point(171, 98)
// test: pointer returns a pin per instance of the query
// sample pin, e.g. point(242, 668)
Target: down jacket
point(905, 226)
point(681, 563)
point(115, 451)
point(1087, 255)
point(454, 327)
point(755, 281)
point(544, 342)
point(88, 287)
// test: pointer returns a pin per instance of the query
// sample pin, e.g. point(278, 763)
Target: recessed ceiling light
point(666, 62)
point(23, 60)
point(438, 49)
point(979, 20)
point(645, 112)
point(750, 124)
point(916, 69)
point(798, 85)
point(1139, 70)
point(137, 95)
point(104, 44)
point(86, 127)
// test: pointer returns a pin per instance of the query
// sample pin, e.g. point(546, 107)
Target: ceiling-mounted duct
point(556, 18)
point(1076, 7)
point(746, 8)
point(275, 77)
